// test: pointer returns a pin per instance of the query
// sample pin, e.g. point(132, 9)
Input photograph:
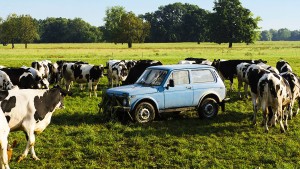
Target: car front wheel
point(144, 112)
point(208, 108)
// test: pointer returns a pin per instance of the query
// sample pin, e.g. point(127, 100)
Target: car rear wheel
point(144, 113)
point(208, 108)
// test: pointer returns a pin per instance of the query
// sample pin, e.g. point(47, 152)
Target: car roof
point(180, 66)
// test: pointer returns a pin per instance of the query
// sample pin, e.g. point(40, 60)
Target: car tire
point(144, 112)
point(208, 108)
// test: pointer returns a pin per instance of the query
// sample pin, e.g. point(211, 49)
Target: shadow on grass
point(76, 119)
point(225, 123)
point(228, 123)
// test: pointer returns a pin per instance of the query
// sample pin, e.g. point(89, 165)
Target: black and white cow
point(53, 73)
point(23, 78)
point(253, 74)
point(283, 66)
point(117, 72)
point(275, 95)
point(49, 70)
point(42, 67)
point(4, 131)
point(294, 82)
point(227, 68)
point(241, 70)
point(5, 82)
point(186, 62)
point(38, 77)
point(199, 60)
point(138, 69)
point(30, 111)
point(60, 64)
point(130, 64)
point(83, 73)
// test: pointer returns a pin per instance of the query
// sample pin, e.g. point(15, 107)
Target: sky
point(275, 14)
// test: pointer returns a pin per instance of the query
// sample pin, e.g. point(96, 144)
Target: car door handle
point(189, 87)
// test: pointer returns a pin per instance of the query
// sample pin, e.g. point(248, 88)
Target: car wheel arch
point(211, 95)
point(152, 102)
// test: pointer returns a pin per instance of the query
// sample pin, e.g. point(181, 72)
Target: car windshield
point(152, 77)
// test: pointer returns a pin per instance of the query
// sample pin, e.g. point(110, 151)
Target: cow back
point(138, 69)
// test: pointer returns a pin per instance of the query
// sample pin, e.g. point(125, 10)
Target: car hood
point(134, 89)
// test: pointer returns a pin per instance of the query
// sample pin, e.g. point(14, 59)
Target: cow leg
point(240, 84)
point(33, 153)
point(272, 116)
point(280, 117)
point(68, 85)
point(95, 90)
point(298, 106)
point(265, 118)
point(30, 143)
point(90, 86)
point(290, 108)
point(286, 117)
point(246, 90)
point(255, 106)
point(3, 153)
point(118, 81)
point(231, 84)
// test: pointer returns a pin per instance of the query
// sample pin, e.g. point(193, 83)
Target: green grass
point(78, 137)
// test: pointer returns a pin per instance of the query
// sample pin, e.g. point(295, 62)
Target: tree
point(284, 34)
point(266, 36)
point(232, 23)
point(194, 26)
point(61, 30)
point(112, 23)
point(166, 22)
point(274, 34)
point(79, 31)
point(54, 30)
point(9, 30)
point(27, 30)
point(295, 35)
point(132, 29)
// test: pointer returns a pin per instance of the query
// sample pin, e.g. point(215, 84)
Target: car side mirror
point(171, 83)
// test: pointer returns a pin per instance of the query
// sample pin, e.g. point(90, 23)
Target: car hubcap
point(145, 114)
point(209, 109)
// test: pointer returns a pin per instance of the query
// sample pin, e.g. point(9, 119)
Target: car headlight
point(125, 102)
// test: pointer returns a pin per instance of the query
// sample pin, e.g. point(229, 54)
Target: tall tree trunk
point(12, 44)
point(129, 44)
point(230, 45)
point(25, 45)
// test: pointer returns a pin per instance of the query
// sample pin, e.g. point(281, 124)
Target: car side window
point(180, 77)
point(202, 76)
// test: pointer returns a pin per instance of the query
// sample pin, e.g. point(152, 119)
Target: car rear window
point(202, 76)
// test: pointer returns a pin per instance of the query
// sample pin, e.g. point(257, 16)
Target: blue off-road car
point(168, 88)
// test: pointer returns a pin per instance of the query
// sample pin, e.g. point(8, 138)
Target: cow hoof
point(35, 158)
point(21, 158)
point(282, 130)
point(266, 131)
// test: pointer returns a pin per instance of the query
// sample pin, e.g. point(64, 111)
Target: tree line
point(283, 34)
point(229, 22)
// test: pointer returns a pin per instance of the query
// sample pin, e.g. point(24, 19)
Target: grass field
point(78, 137)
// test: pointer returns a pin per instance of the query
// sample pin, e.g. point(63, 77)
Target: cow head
point(54, 98)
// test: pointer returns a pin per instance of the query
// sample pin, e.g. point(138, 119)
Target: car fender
point(147, 99)
point(210, 93)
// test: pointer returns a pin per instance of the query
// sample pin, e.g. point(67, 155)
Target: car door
point(181, 95)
